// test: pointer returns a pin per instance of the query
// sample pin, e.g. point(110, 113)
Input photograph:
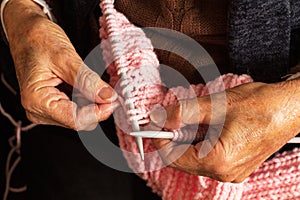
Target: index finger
point(184, 112)
point(50, 106)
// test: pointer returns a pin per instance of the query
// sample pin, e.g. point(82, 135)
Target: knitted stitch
point(278, 178)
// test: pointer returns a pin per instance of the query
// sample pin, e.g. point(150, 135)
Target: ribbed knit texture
point(278, 178)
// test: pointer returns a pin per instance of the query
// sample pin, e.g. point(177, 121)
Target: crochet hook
point(170, 135)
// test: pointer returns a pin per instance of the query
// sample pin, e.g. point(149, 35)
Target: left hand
point(259, 119)
point(45, 59)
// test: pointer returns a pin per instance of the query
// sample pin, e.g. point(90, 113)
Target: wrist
point(17, 15)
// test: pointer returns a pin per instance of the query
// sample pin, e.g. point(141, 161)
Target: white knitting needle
point(170, 135)
point(294, 140)
point(117, 53)
point(153, 134)
point(138, 139)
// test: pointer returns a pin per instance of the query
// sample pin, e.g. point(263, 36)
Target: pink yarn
point(126, 49)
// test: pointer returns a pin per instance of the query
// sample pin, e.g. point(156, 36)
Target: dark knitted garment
point(260, 35)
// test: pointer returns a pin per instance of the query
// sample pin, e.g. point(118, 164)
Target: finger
point(202, 110)
point(72, 69)
point(37, 119)
point(55, 108)
point(205, 158)
point(183, 157)
point(190, 111)
point(191, 134)
point(93, 88)
point(88, 117)
point(85, 118)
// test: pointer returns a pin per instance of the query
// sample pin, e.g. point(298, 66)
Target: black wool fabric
point(295, 16)
point(260, 35)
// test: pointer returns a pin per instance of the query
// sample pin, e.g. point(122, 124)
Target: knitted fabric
point(126, 49)
point(265, 49)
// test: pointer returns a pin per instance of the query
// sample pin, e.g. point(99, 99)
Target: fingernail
point(107, 93)
point(158, 115)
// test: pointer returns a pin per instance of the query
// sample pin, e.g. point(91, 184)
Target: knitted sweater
point(260, 33)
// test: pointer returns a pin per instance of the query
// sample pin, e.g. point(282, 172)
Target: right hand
point(44, 58)
point(252, 122)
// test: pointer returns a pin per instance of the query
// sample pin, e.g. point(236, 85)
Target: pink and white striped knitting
point(126, 49)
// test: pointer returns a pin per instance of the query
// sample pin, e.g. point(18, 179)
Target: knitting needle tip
point(139, 142)
point(294, 140)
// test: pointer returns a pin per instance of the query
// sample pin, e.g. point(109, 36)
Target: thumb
point(93, 87)
point(88, 82)
point(184, 112)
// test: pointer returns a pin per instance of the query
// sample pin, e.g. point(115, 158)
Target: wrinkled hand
point(44, 58)
point(259, 119)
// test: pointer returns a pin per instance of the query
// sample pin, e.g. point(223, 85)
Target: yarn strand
point(15, 148)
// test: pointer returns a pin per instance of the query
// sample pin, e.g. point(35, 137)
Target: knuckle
point(91, 127)
point(29, 99)
point(224, 172)
point(28, 107)
point(221, 168)
point(83, 126)
point(226, 178)
point(30, 117)
point(25, 101)
point(77, 126)
point(87, 78)
point(33, 119)
point(86, 128)
point(240, 180)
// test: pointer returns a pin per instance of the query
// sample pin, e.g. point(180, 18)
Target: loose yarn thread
point(278, 178)
point(15, 145)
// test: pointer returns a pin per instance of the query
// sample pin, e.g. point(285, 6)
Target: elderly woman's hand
point(44, 58)
point(259, 119)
